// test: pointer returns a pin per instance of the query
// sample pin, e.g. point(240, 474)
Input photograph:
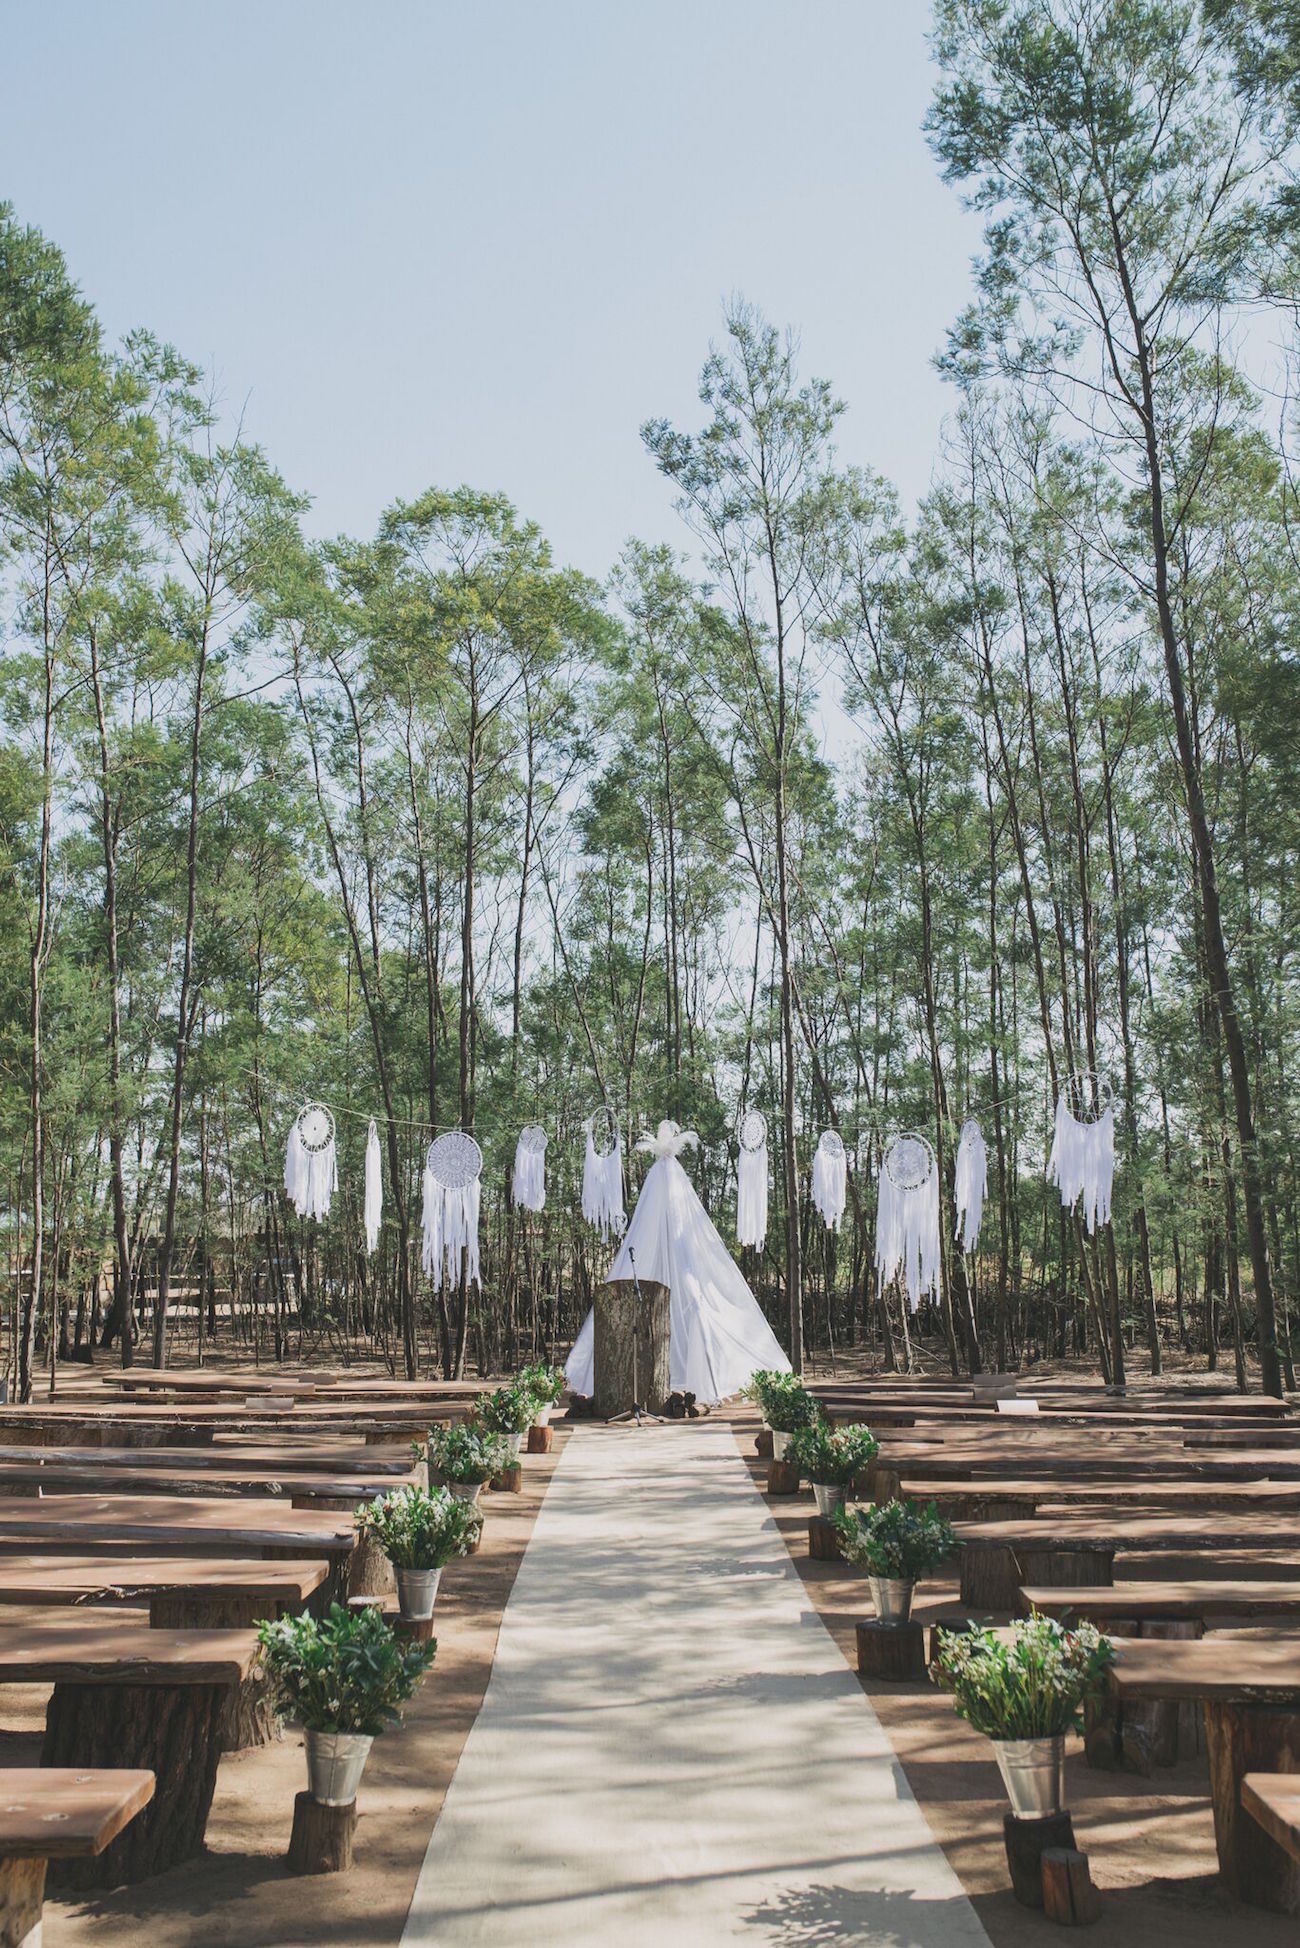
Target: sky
point(426, 243)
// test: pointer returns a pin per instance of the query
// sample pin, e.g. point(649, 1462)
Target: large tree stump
point(250, 1716)
point(782, 1478)
point(1026, 1840)
point(892, 1651)
point(631, 1347)
point(989, 1577)
point(1243, 1738)
point(22, 1896)
point(824, 1540)
point(992, 1572)
point(1069, 1897)
point(321, 1842)
point(171, 1730)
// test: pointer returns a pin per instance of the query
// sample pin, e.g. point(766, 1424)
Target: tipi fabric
point(718, 1337)
point(907, 1219)
point(374, 1199)
point(830, 1178)
point(971, 1183)
point(528, 1185)
point(1082, 1162)
point(602, 1188)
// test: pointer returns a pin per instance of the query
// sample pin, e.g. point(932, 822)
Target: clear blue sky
point(423, 242)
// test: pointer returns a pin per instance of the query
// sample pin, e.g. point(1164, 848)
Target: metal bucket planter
point(892, 1596)
point(416, 1591)
point(830, 1497)
point(542, 1418)
point(515, 1442)
point(1033, 1772)
point(465, 1491)
point(335, 1762)
point(780, 1442)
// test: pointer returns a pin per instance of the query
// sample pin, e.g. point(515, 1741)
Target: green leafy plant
point(833, 1458)
point(788, 1405)
point(466, 1454)
point(546, 1383)
point(416, 1530)
point(1031, 1681)
point(897, 1539)
point(510, 1410)
point(346, 1672)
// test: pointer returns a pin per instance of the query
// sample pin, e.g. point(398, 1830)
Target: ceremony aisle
point(671, 1747)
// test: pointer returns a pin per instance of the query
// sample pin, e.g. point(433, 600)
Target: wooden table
point(1250, 1694)
point(182, 1592)
point(1167, 1602)
point(1077, 1548)
point(49, 1813)
point(147, 1699)
point(1273, 1801)
point(87, 1476)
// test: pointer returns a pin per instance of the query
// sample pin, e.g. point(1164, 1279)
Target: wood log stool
point(892, 1651)
point(510, 1481)
point(1069, 1897)
point(541, 1440)
point(1026, 1840)
point(1242, 1738)
point(55, 1814)
point(782, 1478)
point(763, 1444)
point(321, 1841)
point(415, 1630)
point(824, 1540)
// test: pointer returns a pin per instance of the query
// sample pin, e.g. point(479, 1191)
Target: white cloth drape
point(602, 1189)
point(1082, 1162)
point(450, 1226)
point(907, 1234)
point(718, 1337)
point(311, 1177)
point(971, 1183)
point(374, 1199)
point(751, 1196)
point(830, 1180)
point(529, 1182)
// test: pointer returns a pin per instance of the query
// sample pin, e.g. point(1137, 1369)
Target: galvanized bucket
point(829, 1497)
point(335, 1762)
point(416, 1590)
point(1033, 1772)
point(465, 1491)
point(780, 1442)
point(892, 1596)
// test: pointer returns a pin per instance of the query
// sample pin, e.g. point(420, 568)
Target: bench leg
point(249, 1716)
point(170, 1730)
point(1243, 1738)
point(22, 1895)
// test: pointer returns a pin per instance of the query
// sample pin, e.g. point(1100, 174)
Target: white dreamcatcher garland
point(602, 1175)
point(907, 1217)
point(310, 1161)
point(1082, 1162)
point(751, 1180)
point(453, 1167)
point(830, 1178)
point(528, 1185)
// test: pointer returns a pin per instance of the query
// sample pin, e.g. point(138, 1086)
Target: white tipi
point(718, 1337)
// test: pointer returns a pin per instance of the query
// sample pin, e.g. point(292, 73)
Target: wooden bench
point(55, 1814)
point(1140, 1602)
point(1273, 1801)
point(181, 1592)
point(147, 1699)
point(88, 1476)
point(1249, 1691)
point(225, 1456)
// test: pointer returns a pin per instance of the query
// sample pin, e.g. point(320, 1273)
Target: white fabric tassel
point(1082, 1163)
point(449, 1220)
point(907, 1235)
point(374, 1200)
point(751, 1197)
point(295, 1165)
point(971, 1185)
point(830, 1182)
point(529, 1186)
point(602, 1190)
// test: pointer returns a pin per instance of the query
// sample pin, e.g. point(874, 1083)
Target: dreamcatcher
point(311, 1174)
point(373, 1209)
point(452, 1168)
point(602, 1175)
point(907, 1218)
point(529, 1184)
point(830, 1178)
point(751, 1180)
point(971, 1183)
point(1082, 1162)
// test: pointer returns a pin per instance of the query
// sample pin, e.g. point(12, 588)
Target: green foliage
point(508, 1410)
point(832, 1457)
point(1030, 1681)
point(896, 1539)
point(466, 1454)
point(416, 1530)
point(544, 1382)
point(346, 1672)
point(788, 1405)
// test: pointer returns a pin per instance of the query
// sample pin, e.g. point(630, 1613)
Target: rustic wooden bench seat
point(297, 1457)
point(1273, 1801)
point(181, 1591)
point(1077, 1547)
point(89, 1476)
point(49, 1813)
point(1201, 1602)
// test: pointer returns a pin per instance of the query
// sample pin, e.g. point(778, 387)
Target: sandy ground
point(240, 1892)
point(1150, 1842)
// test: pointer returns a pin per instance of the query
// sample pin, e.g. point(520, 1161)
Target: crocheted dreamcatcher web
point(909, 1161)
point(533, 1139)
point(753, 1130)
point(831, 1142)
point(1088, 1095)
point(602, 1125)
point(455, 1160)
point(315, 1127)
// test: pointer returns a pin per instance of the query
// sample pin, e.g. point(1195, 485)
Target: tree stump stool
point(763, 1444)
point(541, 1440)
point(1242, 1738)
point(824, 1540)
point(321, 1841)
point(892, 1651)
point(1026, 1840)
point(1069, 1897)
point(415, 1630)
point(510, 1481)
point(22, 1898)
point(992, 1572)
point(782, 1478)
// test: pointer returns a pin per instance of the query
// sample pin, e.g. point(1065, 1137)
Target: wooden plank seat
point(1273, 1801)
point(1201, 1602)
point(1141, 1490)
point(222, 1457)
point(142, 1698)
point(180, 1591)
point(1249, 1691)
point(87, 1476)
point(54, 1813)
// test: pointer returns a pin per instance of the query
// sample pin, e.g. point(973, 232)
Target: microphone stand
point(638, 1413)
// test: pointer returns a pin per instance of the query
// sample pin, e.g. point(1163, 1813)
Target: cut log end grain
point(1069, 1897)
point(321, 1842)
point(22, 1896)
point(894, 1652)
point(782, 1478)
point(1026, 1841)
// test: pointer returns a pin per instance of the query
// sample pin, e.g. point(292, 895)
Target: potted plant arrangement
point(419, 1533)
point(896, 1543)
point(831, 1459)
point(1025, 1688)
point(509, 1411)
point(546, 1383)
point(463, 1457)
point(787, 1407)
point(344, 1678)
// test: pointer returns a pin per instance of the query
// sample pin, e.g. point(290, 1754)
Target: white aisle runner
point(672, 1749)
